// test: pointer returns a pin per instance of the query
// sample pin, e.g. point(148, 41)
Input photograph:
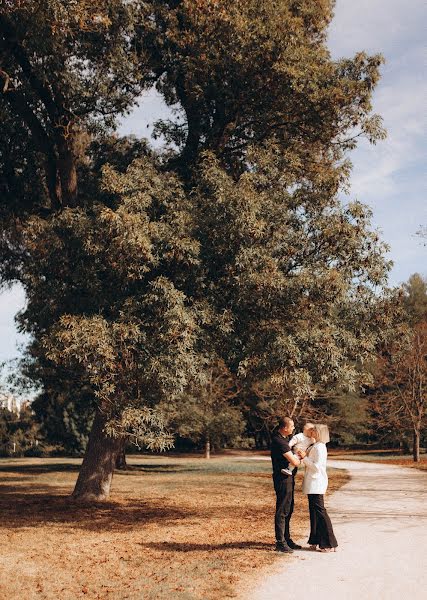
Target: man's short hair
point(284, 422)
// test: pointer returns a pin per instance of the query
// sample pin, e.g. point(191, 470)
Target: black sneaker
point(293, 546)
point(283, 547)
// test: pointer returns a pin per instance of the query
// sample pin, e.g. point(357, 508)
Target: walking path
point(380, 521)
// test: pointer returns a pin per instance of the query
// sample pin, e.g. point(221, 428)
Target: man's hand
point(292, 459)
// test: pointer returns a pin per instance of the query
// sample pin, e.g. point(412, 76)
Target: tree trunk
point(207, 449)
point(67, 172)
point(121, 463)
point(416, 446)
point(96, 473)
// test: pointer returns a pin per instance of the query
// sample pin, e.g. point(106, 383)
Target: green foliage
point(68, 69)
point(243, 72)
point(19, 434)
point(136, 339)
point(65, 417)
point(415, 298)
point(208, 413)
point(142, 271)
point(349, 419)
point(142, 427)
point(293, 278)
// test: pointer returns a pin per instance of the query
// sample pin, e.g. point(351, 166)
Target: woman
point(314, 485)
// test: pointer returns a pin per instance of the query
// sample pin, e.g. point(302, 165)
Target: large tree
point(67, 71)
point(231, 245)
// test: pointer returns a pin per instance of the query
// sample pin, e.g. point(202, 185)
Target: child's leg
point(287, 471)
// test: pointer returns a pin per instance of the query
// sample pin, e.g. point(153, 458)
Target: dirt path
point(380, 521)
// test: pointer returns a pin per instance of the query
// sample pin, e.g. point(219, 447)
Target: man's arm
point(293, 441)
point(315, 460)
point(292, 458)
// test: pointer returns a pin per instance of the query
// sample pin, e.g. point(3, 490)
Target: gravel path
point(380, 521)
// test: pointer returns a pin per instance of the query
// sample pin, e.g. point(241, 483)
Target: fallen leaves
point(193, 530)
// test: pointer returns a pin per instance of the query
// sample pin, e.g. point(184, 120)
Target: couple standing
point(314, 485)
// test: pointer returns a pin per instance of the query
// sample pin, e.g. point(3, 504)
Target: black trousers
point(291, 509)
point(321, 531)
point(284, 487)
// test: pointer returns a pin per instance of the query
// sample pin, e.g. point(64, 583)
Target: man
point(281, 458)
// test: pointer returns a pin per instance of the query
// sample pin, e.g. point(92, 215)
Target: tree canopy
point(141, 269)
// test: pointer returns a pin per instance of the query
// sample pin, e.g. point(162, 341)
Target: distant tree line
point(389, 412)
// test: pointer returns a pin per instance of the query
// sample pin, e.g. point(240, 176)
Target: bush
point(19, 434)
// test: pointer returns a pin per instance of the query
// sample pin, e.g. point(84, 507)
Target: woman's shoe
point(327, 550)
point(312, 547)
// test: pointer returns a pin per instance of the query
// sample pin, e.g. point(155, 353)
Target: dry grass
point(404, 462)
point(382, 456)
point(180, 527)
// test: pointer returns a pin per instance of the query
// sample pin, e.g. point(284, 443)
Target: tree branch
point(20, 106)
point(17, 50)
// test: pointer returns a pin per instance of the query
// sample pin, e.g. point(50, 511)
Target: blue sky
point(389, 177)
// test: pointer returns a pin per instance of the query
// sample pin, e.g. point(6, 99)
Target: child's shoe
point(286, 471)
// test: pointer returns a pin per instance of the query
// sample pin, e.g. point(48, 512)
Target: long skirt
point(321, 531)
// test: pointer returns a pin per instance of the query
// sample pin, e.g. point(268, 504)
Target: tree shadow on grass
point(40, 469)
point(38, 505)
point(135, 469)
point(138, 469)
point(192, 547)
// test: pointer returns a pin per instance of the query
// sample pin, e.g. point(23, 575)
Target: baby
point(300, 441)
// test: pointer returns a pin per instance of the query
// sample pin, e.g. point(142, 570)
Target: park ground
point(179, 527)
point(380, 520)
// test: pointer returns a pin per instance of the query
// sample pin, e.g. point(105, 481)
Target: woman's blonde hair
point(322, 432)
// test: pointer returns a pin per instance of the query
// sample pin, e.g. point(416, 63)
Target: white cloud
point(390, 176)
point(401, 104)
point(375, 25)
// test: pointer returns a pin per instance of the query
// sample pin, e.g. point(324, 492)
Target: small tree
point(66, 416)
point(19, 433)
point(401, 397)
point(206, 415)
point(415, 298)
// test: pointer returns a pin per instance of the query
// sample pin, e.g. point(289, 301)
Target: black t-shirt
point(279, 446)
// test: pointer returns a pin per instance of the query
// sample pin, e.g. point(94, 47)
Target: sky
point(389, 176)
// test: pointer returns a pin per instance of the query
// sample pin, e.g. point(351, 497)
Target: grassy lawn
point(381, 456)
point(175, 527)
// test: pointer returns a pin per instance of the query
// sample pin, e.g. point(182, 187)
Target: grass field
point(175, 527)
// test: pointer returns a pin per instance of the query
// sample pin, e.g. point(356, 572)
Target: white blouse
point(315, 477)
